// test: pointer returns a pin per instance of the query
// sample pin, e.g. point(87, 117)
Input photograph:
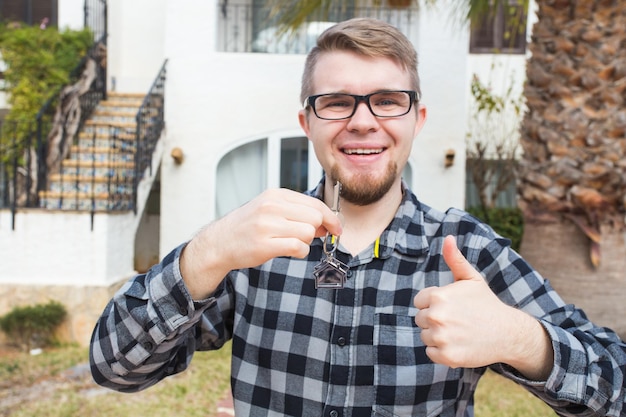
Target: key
point(331, 272)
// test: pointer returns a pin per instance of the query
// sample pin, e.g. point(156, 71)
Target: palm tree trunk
point(572, 177)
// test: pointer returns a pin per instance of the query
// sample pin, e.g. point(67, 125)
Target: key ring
point(334, 241)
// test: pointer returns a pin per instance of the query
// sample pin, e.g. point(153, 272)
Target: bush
point(34, 325)
point(39, 63)
point(508, 222)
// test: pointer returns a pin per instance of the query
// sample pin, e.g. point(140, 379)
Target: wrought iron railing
point(107, 161)
point(150, 123)
point(60, 130)
point(18, 166)
point(247, 28)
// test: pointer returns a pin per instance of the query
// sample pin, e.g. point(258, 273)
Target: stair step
point(112, 124)
point(89, 187)
point(87, 159)
point(59, 178)
point(53, 200)
point(102, 171)
point(114, 151)
point(97, 164)
point(116, 116)
point(126, 104)
point(109, 128)
point(119, 145)
point(119, 96)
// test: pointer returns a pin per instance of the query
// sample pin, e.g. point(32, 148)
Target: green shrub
point(34, 325)
point(508, 222)
point(39, 63)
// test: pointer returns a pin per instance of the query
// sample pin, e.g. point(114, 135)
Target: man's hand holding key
point(278, 222)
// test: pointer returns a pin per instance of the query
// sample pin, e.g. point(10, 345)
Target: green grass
point(497, 396)
point(192, 393)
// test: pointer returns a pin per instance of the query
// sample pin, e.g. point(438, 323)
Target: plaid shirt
point(356, 351)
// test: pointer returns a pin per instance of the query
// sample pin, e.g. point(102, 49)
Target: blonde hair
point(364, 36)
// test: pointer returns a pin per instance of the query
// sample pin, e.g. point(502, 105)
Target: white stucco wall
point(71, 14)
point(442, 54)
point(135, 43)
point(61, 248)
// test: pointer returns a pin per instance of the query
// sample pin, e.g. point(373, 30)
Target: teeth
point(362, 151)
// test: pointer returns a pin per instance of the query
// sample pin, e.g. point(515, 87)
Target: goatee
point(366, 188)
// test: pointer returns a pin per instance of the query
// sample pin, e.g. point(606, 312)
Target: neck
point(362, 225)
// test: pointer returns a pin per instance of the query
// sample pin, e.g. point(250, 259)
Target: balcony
point(247, 28)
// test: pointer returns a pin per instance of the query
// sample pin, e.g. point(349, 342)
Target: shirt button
point(341, 341)
point(349, 273)
point(334, 413)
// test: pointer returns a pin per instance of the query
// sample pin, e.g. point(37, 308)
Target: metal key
point(331, 272)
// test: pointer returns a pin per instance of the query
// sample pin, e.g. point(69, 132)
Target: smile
point(361, 151)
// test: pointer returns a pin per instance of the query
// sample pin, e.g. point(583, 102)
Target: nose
point(363, 119)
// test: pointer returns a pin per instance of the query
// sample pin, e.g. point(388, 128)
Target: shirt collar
point(405, 234)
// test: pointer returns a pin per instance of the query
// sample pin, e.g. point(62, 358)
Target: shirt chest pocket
point(407, 382)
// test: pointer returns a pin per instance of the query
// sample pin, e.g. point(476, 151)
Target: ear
point(303, 119)
point(421, 118)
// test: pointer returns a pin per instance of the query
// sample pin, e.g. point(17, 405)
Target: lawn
point(58, 384)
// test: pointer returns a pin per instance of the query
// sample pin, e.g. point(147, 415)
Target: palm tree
point(572, 179)
point(572, 176)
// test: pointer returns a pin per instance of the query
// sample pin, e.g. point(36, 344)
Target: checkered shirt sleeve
point(354, 352)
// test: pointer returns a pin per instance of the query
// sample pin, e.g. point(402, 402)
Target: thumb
point(461, 269)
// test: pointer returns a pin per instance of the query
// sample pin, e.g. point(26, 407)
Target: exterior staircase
point(100, 172)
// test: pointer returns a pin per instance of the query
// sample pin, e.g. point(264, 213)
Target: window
point(499, 188)
point(501, 30)
point(294, 163)
point(241, 175)
point(32, 12)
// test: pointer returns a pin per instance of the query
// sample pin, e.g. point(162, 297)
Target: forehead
point(345, 71)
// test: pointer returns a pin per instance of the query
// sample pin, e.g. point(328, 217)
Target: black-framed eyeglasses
point(338, 106)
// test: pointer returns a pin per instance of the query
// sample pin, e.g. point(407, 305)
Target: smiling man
point(422, 302)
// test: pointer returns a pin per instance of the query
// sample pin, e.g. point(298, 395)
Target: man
point(414, 326)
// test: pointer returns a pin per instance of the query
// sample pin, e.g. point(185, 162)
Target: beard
point(363, 189)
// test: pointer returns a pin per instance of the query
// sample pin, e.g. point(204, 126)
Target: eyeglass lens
point(382, 104)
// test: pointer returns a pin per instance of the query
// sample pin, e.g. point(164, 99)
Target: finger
point(460, 267)
point(329, 221)
point(421, 319)
point(288, 247)
point(422, 299)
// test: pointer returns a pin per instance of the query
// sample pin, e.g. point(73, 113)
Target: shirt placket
point(342, 349)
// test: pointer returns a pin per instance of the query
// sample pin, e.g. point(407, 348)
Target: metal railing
point(247, 28)
point(150, 123)
point(105, 166)
point(51, 118)
point(19, 157)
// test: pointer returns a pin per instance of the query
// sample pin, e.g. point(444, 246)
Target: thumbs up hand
point(462, 323)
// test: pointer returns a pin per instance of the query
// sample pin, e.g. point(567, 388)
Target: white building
point(234, 117)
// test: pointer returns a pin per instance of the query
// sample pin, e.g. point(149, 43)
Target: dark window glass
point(294, 163)
point(501, 30)
point(31, 12)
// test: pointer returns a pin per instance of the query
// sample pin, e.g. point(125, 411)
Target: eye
point(338, 102)
point(388, 99)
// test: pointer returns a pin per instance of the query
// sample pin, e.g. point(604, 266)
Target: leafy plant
point(33, 325)
point(39, 62)
point(492, 140)
point(507, 221)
